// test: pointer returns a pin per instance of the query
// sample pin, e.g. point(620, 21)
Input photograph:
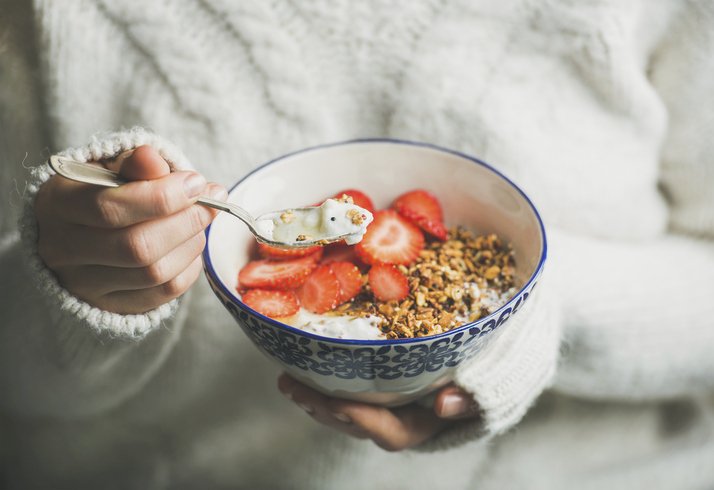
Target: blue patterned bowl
point(386, 372)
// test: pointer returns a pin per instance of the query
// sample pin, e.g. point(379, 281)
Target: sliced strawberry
point(360, 198)
point(433, 228)
point(350, 279)
point(276, 274)
point(276, 253)
point(419, 202)
point(275, 304)
point(390, 239)
point(321, 290)
point(338, 252)
point(388, 283)
point(423, 209)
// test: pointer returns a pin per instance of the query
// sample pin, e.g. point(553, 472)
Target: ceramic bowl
point(385, 372)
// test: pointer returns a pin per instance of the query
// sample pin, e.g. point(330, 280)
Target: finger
point(142, 163)
point(96, 206)
point(92, 281)
point(392, 429)
point(317, 406)
point(114, 164)
point(136, 246)
point(143, 300)
point(454, 403)
point(128, 204)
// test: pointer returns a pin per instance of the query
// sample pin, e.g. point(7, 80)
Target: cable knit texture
point(600, 110)
point(103, 146)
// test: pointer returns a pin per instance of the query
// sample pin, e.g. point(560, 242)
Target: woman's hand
point(392, 429)
point(128, 249)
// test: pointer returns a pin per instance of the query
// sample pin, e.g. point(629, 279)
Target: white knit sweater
point(602, 111)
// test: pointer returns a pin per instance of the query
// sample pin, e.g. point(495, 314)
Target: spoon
point(96, 175)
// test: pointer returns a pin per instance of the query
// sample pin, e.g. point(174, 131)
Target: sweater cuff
point(507, 377)
point(102, 146)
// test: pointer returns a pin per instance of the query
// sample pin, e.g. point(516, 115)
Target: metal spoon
point(96, 175)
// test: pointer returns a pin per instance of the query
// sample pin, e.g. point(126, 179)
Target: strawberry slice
point(419, 202)
point(388, 283)
point(360, 198)
point(433, 228)
point(276, 253)
point(390, 239)
point(350, 280)
point(338, 252)
point(423, 209)
point(321, 290)
point(276, 274)
point(275, 304)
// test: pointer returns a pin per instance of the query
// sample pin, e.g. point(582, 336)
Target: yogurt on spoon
point(333, 218)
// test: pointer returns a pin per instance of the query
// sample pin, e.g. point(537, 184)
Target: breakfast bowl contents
point(421, 278)
point(333, 218)
point(443, 251)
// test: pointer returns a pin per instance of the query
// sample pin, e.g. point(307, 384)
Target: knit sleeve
point(59, 355)
point(509, 374)
point(640, 316)
point(637, 316)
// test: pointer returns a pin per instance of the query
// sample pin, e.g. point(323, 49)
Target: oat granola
point(450, 283)
point(356, 217)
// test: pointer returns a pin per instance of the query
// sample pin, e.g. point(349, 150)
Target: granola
point(451, 283)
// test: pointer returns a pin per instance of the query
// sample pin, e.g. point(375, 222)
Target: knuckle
point(198, 243)
point(156, 273)
point(110, 213)
point(199, 218)
point(162, 201)
point(176, 286)
point(181, 283)
point(138, 247)
point(186, 279)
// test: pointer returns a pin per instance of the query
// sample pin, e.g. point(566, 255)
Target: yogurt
point(338, 327)
point(334, 218)
point(367, 328)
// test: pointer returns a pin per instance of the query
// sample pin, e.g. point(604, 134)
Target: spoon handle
point(236, 211)
point(96, 175)
point(84, 172)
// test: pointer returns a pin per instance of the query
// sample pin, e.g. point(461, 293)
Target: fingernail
point(218, 192)
point(342, 417)
point(307, 408)
point(454, 405)
point(193, 185)
point(287, 394)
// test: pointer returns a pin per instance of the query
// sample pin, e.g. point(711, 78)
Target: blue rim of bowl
point(208, 265)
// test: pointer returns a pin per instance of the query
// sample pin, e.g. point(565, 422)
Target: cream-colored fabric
point(600, 110)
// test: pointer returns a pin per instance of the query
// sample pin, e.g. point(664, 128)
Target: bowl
point(383, 372)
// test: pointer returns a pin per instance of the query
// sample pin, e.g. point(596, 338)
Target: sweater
point(601, 111)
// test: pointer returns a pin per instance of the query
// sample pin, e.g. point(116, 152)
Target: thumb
point(454, 403)
point(143, 163)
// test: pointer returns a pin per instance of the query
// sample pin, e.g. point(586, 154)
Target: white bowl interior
point(472, 195)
